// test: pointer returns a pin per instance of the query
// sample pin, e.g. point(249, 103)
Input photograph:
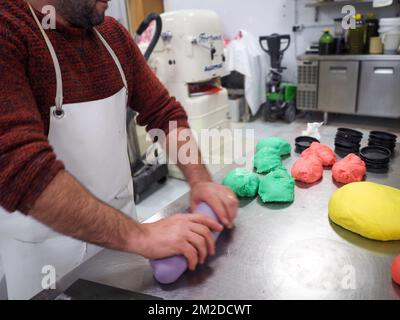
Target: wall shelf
point(337, 3)
point(329, 4)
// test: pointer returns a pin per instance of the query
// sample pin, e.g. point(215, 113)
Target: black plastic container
point(304, 142)
point(376, 154)
point(387, 136)
point(350, 134)
point(343, 152)
point(376, 158)
point(347, 141)
point(383, 139)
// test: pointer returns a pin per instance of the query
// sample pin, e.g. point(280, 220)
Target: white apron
point(91, 139)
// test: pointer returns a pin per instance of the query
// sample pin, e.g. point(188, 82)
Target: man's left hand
point(220, 198)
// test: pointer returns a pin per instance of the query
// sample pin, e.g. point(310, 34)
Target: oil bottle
point(356, 36)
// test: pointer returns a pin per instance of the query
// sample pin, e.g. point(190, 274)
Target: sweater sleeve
point(27, 161)
point(149, 98)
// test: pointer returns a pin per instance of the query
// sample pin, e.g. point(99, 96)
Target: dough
point(326, 154)
point(396, 270)
point(369, 209)
point(349, 169)
point(266, 160)
point(278, 186)
point(281, 145)
point(308, 169)
point(242, 182)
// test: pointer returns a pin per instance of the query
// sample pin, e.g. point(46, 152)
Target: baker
point(65, 179)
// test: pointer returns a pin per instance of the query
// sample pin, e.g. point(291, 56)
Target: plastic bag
point(313, 130)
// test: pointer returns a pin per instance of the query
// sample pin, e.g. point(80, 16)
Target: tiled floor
point(173, 188)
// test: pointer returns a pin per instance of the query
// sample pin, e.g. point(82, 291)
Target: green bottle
point(326, 43)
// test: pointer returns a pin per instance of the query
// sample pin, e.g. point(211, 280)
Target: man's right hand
point(181, 234)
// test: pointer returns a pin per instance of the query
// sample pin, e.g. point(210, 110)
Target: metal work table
point(276, 251)
point(349, 57)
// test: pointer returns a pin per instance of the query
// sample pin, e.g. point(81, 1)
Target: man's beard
point(80, 13)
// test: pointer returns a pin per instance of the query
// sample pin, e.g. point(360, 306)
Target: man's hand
point(220, 198)
point(182, 234)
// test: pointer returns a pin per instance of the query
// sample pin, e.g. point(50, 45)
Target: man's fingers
point(190, 254)
point(200, 244)
point(217, 205)
point(231, 204)
point(206, 221)
point(205, 232)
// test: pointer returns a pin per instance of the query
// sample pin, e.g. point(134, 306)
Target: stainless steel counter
point(349, 57)
point(276, 251)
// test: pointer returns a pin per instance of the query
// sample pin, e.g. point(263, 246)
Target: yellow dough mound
point(369, 209)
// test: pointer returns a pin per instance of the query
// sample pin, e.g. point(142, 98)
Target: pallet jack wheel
point(290, 113)
point(268, 112)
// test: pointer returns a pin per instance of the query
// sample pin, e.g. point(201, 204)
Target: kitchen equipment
point(339, 37)
point(281, 96)
point(235, 109)
point(389, 26)
point(189, 60)
point(391, 42)
point(379, 86)
point(144, 174)
point(339, 31)
point(375, 45)
point(168, 270)
point(307, 86)
point(338, 84)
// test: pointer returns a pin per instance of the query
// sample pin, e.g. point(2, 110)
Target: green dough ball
point(281, 145)
point(278, 186)
point(242, 182)
point(266, 160)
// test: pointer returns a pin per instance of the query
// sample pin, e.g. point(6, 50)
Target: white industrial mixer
point(189, 60)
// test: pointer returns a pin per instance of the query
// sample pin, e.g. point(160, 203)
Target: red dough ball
point(308, 169)
point(349, 169)
point(396, 270)
point(326, 154)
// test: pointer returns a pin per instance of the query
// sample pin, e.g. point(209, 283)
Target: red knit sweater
point(28, 87)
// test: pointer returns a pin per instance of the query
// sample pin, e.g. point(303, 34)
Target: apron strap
point(59, 113)
point(59, 93)
point(114, 56)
